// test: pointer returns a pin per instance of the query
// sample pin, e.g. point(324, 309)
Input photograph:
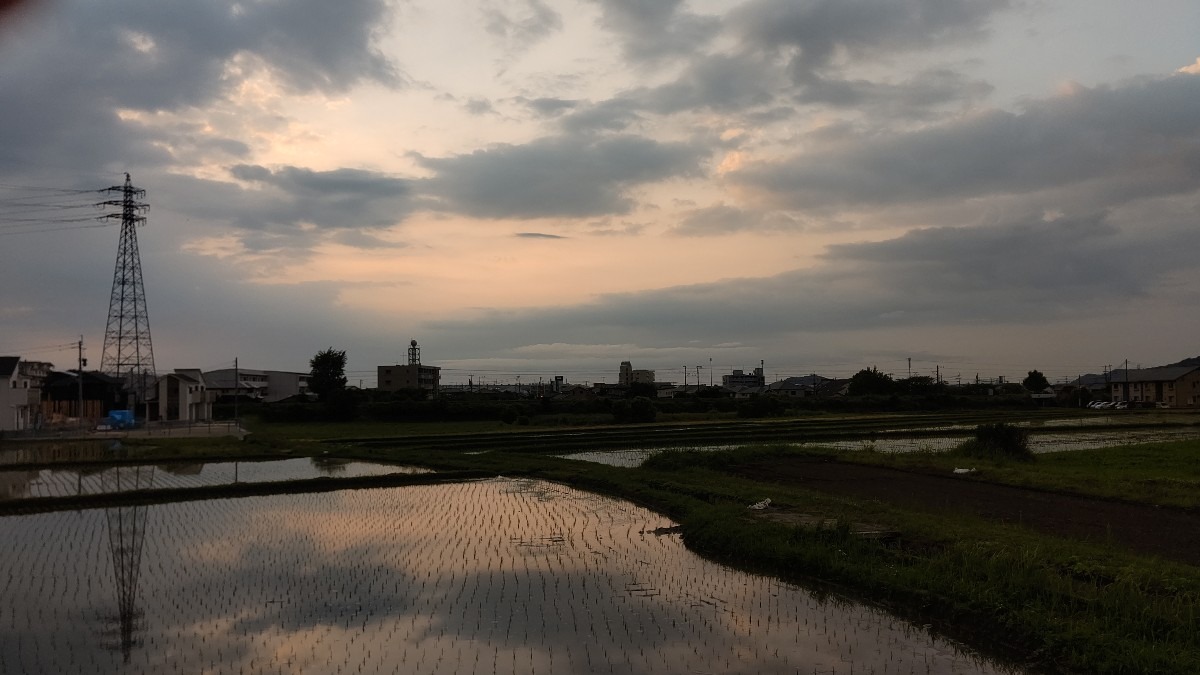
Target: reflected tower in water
point(126, 531)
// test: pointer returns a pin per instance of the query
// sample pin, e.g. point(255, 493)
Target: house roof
point(1162, 374)
point(185, 376)
point(8, 366)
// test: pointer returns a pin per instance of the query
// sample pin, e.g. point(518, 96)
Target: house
point(798, 387)
point(183, 396)
point(1175, 386)
point(62, 396)
point(20, 395)
point(1097, 387)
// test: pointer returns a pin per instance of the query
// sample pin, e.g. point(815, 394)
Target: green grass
point(1166, 474)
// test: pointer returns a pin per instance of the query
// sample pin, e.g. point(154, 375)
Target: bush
point(760, 406)
point(510, 414)
point(642, 409)
point(998, 441)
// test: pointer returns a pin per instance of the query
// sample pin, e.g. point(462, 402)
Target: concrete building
point(267, 386)
point(183, 396)
point(628, 375)
point(412, 376)
point(1176, 386)
point(737, 379)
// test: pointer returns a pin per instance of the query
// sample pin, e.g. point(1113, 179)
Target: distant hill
point(1194, 361)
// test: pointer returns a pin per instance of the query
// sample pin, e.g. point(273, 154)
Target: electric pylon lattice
point(126, 533)
point(128, 352)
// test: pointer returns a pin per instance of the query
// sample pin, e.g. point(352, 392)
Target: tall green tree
point(327, 372)
point(871, 382)
point(1035, 381)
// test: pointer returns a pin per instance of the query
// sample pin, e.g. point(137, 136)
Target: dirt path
point(1166, 532)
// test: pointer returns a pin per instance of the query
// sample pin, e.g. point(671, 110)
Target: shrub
point(998, 441)
point(510, 414)
point(642, 409)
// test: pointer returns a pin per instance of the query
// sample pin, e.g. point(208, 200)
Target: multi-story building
point(739, 379)
point(1176, 386)
point(412, 376)
point(628, 375)
point(267, 386)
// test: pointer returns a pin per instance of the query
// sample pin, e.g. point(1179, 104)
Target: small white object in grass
point(761, 505)
point(964, 471)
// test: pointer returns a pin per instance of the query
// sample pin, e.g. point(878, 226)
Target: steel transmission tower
point(128, 352)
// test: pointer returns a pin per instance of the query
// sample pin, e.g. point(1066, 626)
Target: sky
point(550, 187)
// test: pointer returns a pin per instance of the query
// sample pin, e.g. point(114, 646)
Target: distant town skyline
point(543, 187)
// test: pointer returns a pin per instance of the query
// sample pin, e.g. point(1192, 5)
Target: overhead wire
point(28, 209)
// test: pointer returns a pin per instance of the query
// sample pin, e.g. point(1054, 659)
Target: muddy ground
point(1161, 531)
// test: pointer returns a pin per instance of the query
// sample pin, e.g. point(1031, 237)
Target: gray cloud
point(723, 219)
point(274, 205)
point(910, 99)
point(813, 32)
point(479, 106)
point(538, 235)
point(556, 176)
point(1136, 140)
point(614, 114)
point(166, 57)
point(652, 30)
point(718, 82)
point(547, 106)
point(517, 30)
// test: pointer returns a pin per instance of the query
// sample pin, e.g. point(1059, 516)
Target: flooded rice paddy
point(1038, 442)
point(64, 482)
point(499, 576)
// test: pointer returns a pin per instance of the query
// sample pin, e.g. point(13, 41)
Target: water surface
point(63, 482)
point(500, 576)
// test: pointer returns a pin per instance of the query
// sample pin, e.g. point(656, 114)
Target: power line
point(28, 209)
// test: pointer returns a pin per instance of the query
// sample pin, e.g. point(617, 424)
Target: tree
point(871, 382)
point(328, 373)
point(1035, 381)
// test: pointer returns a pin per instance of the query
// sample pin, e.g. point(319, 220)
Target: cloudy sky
point(541, 187)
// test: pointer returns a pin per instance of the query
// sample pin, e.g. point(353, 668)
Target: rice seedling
point(503, 576)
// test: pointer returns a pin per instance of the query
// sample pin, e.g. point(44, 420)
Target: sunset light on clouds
point(555, 186)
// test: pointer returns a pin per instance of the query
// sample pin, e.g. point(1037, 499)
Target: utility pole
point(1126, 397)
point(710, 376)
point(80, 373)
point(910, 367)
point(698, 378)
point(685, 377)
point(236, 378)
